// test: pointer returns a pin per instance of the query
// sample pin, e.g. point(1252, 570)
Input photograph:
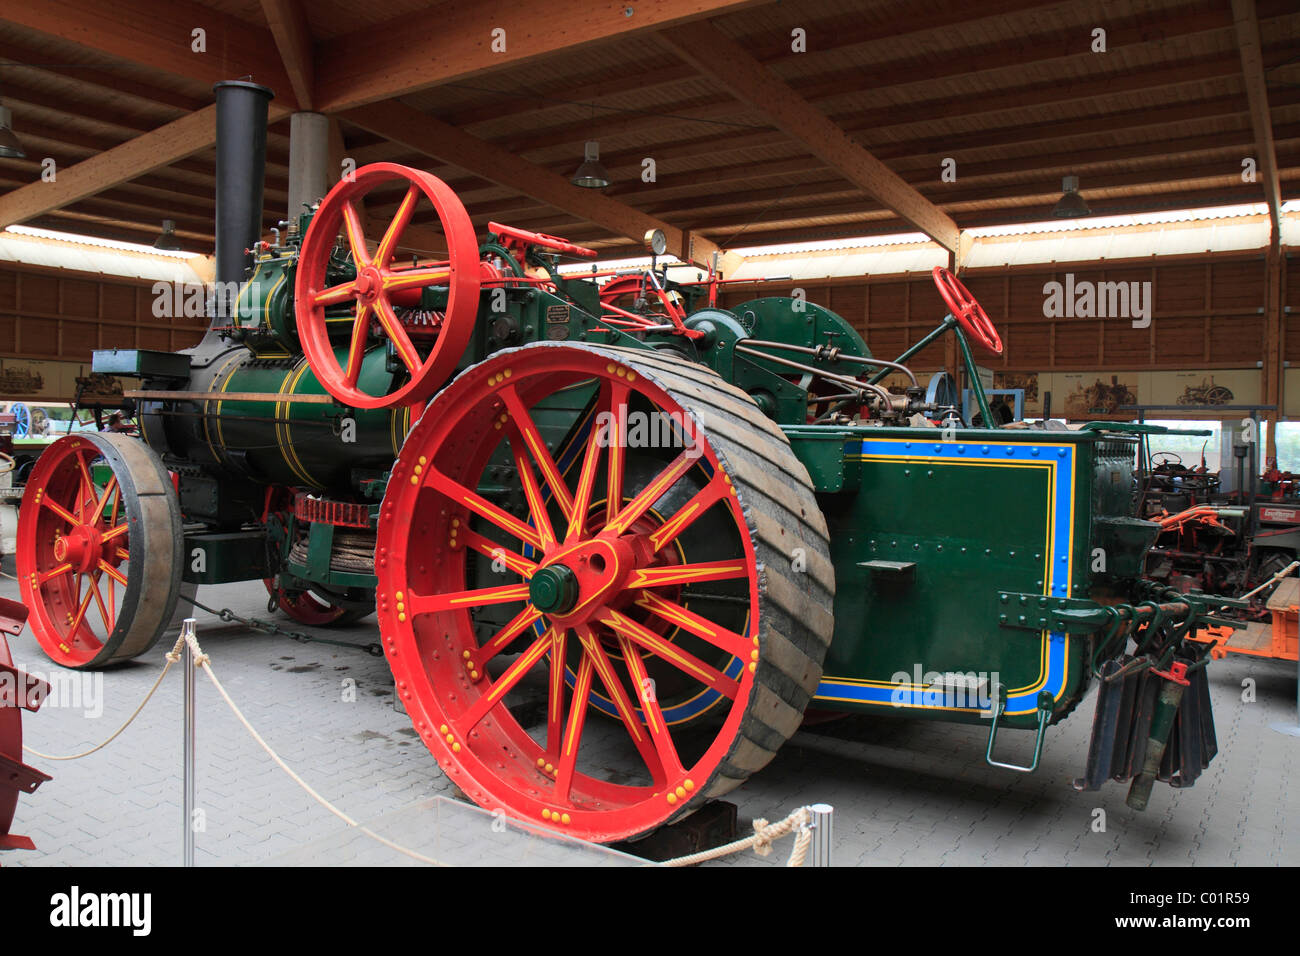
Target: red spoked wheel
point(537, 553)
point(379, 285)
point(306, 607)
point(99, 549)
point(966, 310)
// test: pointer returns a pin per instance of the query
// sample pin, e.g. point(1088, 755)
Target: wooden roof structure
point(753, 140)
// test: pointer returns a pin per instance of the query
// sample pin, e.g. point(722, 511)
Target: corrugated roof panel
point(93, 256)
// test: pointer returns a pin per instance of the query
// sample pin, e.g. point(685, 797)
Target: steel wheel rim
point(439, 665)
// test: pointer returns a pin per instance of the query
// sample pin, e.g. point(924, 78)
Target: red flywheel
point(381, 284)
point(586, 591)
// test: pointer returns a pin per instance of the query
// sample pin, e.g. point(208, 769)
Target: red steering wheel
point(966, 310)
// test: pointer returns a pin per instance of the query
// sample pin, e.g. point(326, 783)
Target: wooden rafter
point(160, 147)
point(428, 135)
point(424, 49)
point(716, 55)
point(1252, 67)
point(292, 36)
point(161, 36)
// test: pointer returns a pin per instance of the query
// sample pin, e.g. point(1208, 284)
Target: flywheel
point(99, 549)
point(572, 530)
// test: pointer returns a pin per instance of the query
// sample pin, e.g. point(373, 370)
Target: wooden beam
point(1252, 68)
point(160, 36)
point(455, 40)
point(292, 36)
point(167, 144)
point(716, 55)
point(431, 136)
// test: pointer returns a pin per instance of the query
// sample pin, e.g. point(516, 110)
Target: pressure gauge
point(656, 241)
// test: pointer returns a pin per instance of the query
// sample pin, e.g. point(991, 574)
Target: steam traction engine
point(674, 526)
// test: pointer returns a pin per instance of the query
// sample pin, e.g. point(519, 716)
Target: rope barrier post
point(821, 828)
point(187, 799)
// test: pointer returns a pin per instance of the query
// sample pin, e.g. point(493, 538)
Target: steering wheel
point(966, 310)
point(1165, 456)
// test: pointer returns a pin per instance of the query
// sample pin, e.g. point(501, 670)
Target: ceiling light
point(168, 241)
point(592, 174)
point(9, 145)
point(1070, 205)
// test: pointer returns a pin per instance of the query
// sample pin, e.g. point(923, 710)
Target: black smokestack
point(241, 168)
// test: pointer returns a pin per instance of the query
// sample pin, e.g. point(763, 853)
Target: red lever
point(1177, 673)
point(526, 238)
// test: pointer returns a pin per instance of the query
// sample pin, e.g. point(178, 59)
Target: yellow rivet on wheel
point(442, 729)
point(631, 376)
point(753, 666)
point(401, 606)
point(546, 814)
point(672, 798)
point(564, 818)
point(423, 460)
point(621, 372)
point(681, 791)
point(541, 761)
point(455, 523)
point(415, 479)
point(688, 783)
point(753, 655)
point(400, 596)
point(473, 675)
point(610, 368)
point(455, 748)
point(550, 768)
point(451, 738)
point(419, 469)
point(506, 373)
point(402, 618)
point(496, 425)
point(465, 654)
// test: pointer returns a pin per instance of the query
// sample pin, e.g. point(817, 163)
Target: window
point(1190, 448)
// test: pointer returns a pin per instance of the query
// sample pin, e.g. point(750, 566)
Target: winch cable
point(270, 627)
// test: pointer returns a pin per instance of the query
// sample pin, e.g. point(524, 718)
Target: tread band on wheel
point(99, 549)
point(503, 569)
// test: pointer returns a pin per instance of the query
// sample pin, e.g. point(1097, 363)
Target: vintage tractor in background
point(618, 538)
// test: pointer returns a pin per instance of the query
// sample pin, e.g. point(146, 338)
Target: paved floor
point(904, 792)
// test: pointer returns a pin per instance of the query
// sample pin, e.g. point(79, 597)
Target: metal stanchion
point(820, 850)
point(187, 800)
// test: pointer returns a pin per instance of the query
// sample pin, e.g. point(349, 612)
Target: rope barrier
point(760, 840)
point(172, 657)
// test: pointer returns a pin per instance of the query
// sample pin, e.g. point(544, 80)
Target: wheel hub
point(80, 548)
point(554, 589)
point(570, 586)
point(369, 283)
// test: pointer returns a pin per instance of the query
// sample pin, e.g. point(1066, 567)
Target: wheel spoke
point(687, 573)
point(86, 491)
point(59, 510)
point(454, 600)
point(522, 421)
point(586, 483)
point(652, 492)
point(490, 549)
point(616, 458)
point(504, 637)
point(357, 344)
point(626, 711)
point(533, 494)
point(356, 234)
point(415, 278)
point(508, 679)
point(568, 764)
point(75, 624)
point(555, 693)
point(483, 508)
point(336, 294)
point(687, 514)
point(401, 219)
point(112, 572)
point(115, 532)
point(682, 660)
point(654, 715)
point(103, 611)
point(397, 335)
point(672, 612)
point(102, 501)
point(54, 573)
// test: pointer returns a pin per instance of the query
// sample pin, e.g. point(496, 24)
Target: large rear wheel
point(610, 530)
